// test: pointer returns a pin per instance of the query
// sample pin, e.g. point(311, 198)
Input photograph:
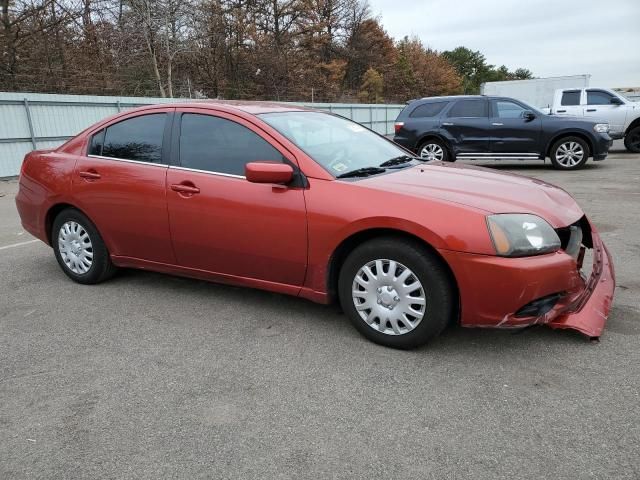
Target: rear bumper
point(494, 290)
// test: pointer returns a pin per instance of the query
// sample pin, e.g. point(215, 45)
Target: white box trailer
point(537, 92)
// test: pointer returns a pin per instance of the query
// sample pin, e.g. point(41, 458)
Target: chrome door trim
point(138, 162)
point(219, 174)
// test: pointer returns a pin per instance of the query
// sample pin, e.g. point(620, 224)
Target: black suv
point(480, 127)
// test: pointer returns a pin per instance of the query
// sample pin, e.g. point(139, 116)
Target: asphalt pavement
point(152, 376)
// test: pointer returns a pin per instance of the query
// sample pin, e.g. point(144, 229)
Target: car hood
point(483, 189)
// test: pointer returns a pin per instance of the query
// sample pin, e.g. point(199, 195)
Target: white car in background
point(622, 114)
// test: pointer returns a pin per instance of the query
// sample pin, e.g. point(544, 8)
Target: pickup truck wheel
point(79, 248)
point(632, 140)
point(569, 153)
point(432, 149)
point(396, 293)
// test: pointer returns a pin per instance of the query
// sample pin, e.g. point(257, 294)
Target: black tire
point(567, 164)
point(437, 290)
point(632, 140)
point(437, 144)
point(101, 267)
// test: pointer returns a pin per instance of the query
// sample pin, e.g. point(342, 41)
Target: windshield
point(338, 144)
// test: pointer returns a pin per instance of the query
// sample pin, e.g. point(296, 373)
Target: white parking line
point(18, 244)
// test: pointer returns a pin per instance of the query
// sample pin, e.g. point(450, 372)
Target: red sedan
point(311, 204)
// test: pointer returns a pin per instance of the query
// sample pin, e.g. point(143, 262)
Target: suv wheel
point(632, 140)
point(433, 150)
point(396, 293)
point(569, 153)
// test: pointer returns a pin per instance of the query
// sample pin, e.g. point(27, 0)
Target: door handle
point(447, 124)
point(182, 188)
point(89, 175)
point(592, 110)
point(497, 124)
point(562, 111)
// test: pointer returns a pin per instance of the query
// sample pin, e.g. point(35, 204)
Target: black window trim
point(299, 179)
point(164, 155)
point(453, 104)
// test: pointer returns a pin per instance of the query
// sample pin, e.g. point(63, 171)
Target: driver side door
point(220, 222)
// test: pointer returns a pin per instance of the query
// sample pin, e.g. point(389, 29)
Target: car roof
point(253, 108)
point(454, 97)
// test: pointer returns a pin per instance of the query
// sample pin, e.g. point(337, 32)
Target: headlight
point(601, 127)
point(520, 235)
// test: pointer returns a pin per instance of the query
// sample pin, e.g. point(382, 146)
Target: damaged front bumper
point(541, 290)
point(588, 313)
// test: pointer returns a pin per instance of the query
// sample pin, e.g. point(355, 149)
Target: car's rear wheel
point(632, 140)
point(434, 150)
point(396, 293)
point(569, 153)
point(79, 248)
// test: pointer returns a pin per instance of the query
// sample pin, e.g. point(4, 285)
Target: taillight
point(398, 126)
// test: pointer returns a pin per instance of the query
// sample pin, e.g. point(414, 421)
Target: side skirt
point(129, 262)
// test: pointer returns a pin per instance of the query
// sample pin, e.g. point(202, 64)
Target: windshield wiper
point(362, 172)
point(398, 160)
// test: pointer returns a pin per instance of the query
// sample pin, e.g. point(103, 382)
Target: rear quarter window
point(427, 110)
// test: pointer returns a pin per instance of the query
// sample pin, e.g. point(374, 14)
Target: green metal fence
point(37, 121)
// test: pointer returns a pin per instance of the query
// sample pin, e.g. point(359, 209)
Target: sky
point(549, 37)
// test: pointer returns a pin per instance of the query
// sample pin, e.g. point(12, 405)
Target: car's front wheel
point(434, 150)
point(396, 292)
point(632, 140)
point(79, 248)
point(569, 153)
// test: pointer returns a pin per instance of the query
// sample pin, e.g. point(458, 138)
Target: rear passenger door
point(466, 126)
point(120, 185)
point(570, 103)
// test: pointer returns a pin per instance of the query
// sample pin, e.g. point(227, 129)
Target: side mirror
point(528, 115)
point(268, 172)
point(616, 101)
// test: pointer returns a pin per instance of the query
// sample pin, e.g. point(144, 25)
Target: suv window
point(570, 97)
point(137, 138)
point(469, 108)
point(507, 109)
point(428, 109)
point(598, 97)
point(219, 145)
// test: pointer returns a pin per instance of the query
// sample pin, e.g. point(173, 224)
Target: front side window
point(337, 144)
point(428, 109)
point(137, 138)
point(506, 109)
point(598, 97)
point(218, 145)
point(469, 109)
point(570, 98)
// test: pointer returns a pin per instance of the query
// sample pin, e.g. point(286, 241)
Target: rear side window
point(598, 97)
point(570, 97)
point(219, 145)
point(469, 108)
point(137, 138)
point(428, 110)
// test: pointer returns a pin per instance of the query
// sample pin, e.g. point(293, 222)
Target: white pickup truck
point(622, 114)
